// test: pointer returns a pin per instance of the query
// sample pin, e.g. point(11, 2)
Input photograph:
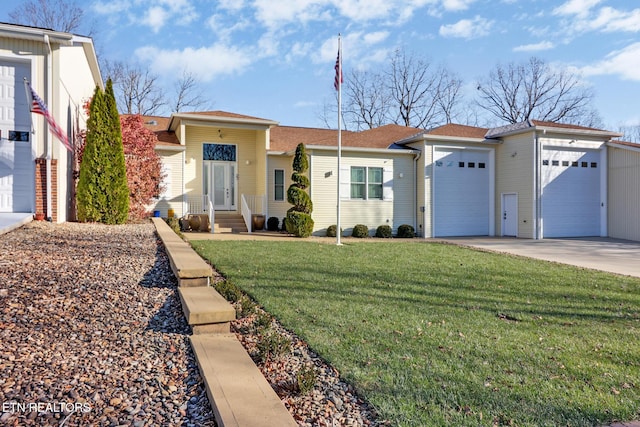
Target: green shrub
point(384, 231)
point(299, 224)
point(360, 231)
point(245, 306)
point(262, 320)
point(331, 231)
point(284, 224)
point(306, 378)
point(273, 223)
point(228, 290)
point(406, 231)
point(174, 223)
point(273, 345)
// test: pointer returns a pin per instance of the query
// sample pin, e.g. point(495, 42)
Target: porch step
point(229, 223)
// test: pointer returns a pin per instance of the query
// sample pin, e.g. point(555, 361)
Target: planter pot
point(39, 216)
point(257, 222)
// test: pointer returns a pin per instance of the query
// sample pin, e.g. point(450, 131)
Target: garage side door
point(16, 158)
point(461, 193)
point(570, 193)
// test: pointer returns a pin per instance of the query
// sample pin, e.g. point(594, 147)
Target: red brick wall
point(41, 188)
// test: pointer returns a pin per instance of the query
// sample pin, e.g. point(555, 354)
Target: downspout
point(415, 191)
point(47, 140)
point(538, 190)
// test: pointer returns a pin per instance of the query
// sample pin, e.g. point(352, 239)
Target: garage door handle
point(504, 215)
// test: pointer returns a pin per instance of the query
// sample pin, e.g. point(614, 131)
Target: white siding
point(171, 197)
point(624, 193)
point(372, 213)
point(278, 208)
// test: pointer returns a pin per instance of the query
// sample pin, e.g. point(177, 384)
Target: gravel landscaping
point(93, 333)
point(92, 330)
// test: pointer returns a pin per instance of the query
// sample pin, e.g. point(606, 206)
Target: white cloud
point(110, 7)
point(580, 8)
point(155, 18)
point(467, 28)
point(611, 20)
point(534, 47)
point(456, 5)
point(205, 63)
point(624, 62)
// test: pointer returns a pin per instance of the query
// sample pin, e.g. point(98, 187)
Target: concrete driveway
point(599, 253)
point(10, 221)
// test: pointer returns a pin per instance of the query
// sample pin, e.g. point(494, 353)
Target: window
point(555, 162)
point(574, 164)
point(366, 183)
point(545, 163)
point(225, 152)
point(278, 185)
point(584, 164)
point(15, 135)
point(565, 163)
point(460, 164)
point(594, 164)
point(481, 165)
point(471, 164)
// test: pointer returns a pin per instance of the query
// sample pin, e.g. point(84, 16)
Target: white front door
point(510, 214)
point(220, 184)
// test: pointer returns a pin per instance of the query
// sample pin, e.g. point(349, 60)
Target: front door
point(220, 184)
point(510, 214)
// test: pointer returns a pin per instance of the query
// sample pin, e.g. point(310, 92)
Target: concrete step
point(206, 310)
point(238, 392)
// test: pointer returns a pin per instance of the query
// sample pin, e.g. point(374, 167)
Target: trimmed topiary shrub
point(284, 224)
point(384, 231)
point(273, 224)
point(406, 231)
point(299, 222)
point(360, 231)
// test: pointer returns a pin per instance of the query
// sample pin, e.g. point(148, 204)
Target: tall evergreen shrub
point(298, 220)
point(103, 194)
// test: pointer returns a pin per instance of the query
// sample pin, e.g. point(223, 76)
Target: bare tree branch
point(59, 15)
point(533, 90)
point(188, 94)
point(137, 90)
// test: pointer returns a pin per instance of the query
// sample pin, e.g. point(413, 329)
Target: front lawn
point(435, 335)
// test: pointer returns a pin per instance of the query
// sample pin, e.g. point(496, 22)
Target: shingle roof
point(286, 138)
point(159, 126)
point(219, 113)
point(462, 131)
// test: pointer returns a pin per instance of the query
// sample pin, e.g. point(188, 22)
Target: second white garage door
point(461, 193)
point(571, 193)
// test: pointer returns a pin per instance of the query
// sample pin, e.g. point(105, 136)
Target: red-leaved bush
point(144, 168)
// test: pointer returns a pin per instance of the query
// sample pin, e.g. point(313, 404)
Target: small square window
point(594, 164)
point(439, 163)
point(584, 164)
point(555, 163)
point(15, 135)
point(545, 163)
point(471, 164)
point(565, 163)
point(460, 164)
point(481, 165)
point(574, 164)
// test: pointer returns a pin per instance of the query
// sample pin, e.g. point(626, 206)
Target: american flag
point(39, 107)
point(338, 79)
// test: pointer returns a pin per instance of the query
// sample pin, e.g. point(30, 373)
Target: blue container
point(156, 214)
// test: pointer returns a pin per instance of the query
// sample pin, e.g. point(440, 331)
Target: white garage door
point(570, 193)
point(16, 157)
point(461, 193)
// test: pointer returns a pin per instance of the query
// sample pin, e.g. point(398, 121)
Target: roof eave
point(219, 120)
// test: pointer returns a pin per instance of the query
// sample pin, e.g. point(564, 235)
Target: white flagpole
point(339, 79)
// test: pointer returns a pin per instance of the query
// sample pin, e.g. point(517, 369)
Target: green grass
point(436, 335)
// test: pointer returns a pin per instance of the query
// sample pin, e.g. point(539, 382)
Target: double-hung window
point(366, 183)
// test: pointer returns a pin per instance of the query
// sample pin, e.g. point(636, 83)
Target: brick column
point(41, 188)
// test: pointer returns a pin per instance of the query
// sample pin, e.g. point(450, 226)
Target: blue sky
point(274, 58)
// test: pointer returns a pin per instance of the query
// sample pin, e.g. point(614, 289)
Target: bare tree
point(367, 102)
point(630, 133)
point(188, 94)
point(137, 90)
point(408, 91)
point(533, 90)
point(59, 15)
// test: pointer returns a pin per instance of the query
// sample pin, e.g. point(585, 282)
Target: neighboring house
point(63, 70)
point(531, 180)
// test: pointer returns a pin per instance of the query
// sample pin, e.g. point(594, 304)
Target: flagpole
point(339, 81)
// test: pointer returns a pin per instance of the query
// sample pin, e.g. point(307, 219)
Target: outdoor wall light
point(401, 175)
point(220, 133)
point(247, 162)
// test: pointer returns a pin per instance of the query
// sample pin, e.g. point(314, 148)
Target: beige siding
point(278, 208)
point(171, 198)
point(250, 159)
point(372, 213)
point(515, 174)
point(624, 193)
point(77, 86)
point(422, 178)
